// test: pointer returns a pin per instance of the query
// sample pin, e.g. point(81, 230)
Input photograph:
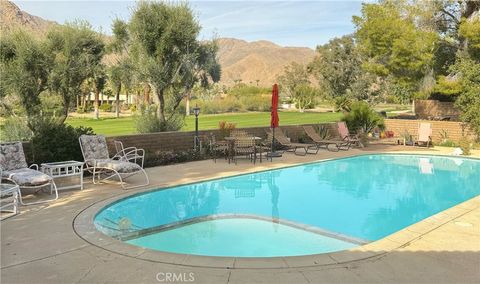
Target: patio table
point(231, 144)
point(63, 170)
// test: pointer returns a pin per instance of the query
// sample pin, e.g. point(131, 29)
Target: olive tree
point(24, 68)
point(77, 51)
point(167, 54)
point(121, 70)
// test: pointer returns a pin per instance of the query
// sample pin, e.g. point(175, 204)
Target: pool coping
point(83, 226)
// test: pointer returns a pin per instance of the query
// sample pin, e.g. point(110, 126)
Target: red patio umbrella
point(274, 114)
point(274, 118)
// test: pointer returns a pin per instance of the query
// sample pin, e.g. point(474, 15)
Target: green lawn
point(124, 126)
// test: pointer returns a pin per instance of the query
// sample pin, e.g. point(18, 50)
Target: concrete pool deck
point(41, 246)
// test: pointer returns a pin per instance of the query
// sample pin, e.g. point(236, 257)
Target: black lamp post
point(196, 111)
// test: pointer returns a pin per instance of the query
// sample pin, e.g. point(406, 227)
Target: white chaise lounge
point(98, 162)
point(15, 169)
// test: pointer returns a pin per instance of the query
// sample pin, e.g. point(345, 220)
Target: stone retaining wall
point(183, 140)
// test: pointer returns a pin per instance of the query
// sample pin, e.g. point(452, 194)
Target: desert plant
point(342, 104)
point(323, 131)
point(362, 118)
point(443, 135)
point(225, 128)
point(407, 137)
point(466, 145)
point(445, 141)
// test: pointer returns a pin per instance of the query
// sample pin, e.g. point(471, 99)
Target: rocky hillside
point(251, 62)
point(11, 18)
point(258, 60)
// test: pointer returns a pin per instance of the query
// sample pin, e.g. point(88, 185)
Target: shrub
point(147, 121)
point(342, 103)
point(56, 142)
point(362, 118)
point(447, 143)
point(15, 129)
point(302, 138)
point(466, 145)
point(256, 103)
point(105, 107)
point(161, 158)
point(242, 90)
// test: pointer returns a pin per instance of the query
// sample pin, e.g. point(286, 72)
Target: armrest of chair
point(133, 151)
point(34, 166)
point(128, 149)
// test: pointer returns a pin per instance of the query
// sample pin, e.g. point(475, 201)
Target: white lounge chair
point(97, 159)
point(424, 134)
point(15, 169)
point(130, 154)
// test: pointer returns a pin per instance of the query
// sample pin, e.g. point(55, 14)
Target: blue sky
point(287, 23)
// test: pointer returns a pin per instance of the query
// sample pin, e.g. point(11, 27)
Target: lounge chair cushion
point(94, 147)
point(12, 156)
point(27, 177)
point(120, 166)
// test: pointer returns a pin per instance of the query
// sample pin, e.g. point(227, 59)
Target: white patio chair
point(95, 153)
point(130, 154)
point(15, 169)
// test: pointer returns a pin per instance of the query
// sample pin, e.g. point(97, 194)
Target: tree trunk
point(161, 106)
point(187, 104)
point(101, 100)
point(95, 103)
point(126, 98)
point(146, 93)
point(88, 101)
point(117, 101)
point(78, 102)
point(66, 104)
point(84, 102)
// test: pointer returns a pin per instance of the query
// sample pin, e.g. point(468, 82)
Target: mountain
point(240, 60)
point(259, 60)
point(11, 18)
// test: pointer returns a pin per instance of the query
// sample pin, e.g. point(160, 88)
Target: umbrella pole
point(273, 143)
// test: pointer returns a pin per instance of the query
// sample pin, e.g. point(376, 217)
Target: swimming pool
point(301, 210)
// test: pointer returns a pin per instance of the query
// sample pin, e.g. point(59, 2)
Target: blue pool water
point(240, 237)
point(362, 198)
